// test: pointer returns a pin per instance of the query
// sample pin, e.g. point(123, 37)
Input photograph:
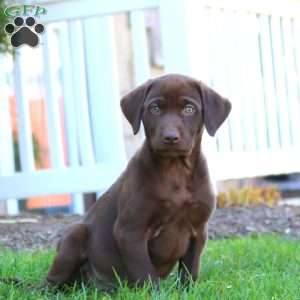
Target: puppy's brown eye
point(155, 110)
point(189, 109)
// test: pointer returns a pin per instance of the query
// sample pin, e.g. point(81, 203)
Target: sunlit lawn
point(239, 268)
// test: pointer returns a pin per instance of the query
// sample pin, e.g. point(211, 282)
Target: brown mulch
point(283, 220)
point(40, 232)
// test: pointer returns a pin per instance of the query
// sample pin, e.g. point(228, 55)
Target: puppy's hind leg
point(71, 255)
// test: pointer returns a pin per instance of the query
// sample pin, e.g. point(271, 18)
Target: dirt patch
point(283, 219)
point(39, 232)
point(32, 231)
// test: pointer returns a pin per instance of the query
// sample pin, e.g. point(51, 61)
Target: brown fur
point(156, 213)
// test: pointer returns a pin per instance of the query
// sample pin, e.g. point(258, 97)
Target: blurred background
point(63, 139)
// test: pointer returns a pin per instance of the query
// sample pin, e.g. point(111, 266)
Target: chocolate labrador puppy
point(156, 213)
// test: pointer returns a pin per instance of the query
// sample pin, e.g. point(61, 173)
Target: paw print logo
point(24, 32)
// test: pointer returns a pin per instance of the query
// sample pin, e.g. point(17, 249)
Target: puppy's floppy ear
point(215, 108)
point(132, 105)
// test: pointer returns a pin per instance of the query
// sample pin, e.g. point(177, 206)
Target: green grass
point(247, 268)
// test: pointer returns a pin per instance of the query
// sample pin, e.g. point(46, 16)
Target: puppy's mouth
point(171, 152)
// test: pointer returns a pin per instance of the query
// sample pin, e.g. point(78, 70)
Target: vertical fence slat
point(6, 136)
point(80, 92)
point(68, 95)
point(285, 134)
point(23, 120)
point(220, 78)
point(140, 47)
point(256, 87)
point(52, 105)
point(269, 84)
point(103, 87)
point(244, 28)
point(69, 110)
point(291, 80)
point(296, 36)
point(231, 63)
point(141, 64)
point(175, 43)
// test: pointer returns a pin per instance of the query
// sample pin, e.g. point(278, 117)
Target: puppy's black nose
point(171, 137)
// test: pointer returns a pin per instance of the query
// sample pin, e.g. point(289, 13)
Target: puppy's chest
point(185, 201)
point(177, 197)
point(174, 191)
point(178, 211)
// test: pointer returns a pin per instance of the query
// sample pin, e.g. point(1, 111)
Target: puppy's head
point(174, 109)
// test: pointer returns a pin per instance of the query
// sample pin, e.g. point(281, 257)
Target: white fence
point(249, 54)
point(253, 56)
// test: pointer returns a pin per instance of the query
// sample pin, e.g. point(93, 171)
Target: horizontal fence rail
point(75, 180)
point(91, 8)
